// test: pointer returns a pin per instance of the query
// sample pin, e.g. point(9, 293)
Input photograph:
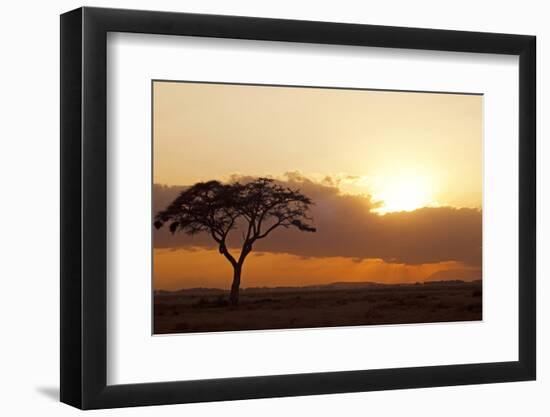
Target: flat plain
point(339, 304)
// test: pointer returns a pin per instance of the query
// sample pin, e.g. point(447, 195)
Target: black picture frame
point(84, 207)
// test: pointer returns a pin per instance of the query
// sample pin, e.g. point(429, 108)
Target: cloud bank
point(346, 227)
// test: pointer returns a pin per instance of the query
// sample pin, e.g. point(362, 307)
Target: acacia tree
point(257, 208)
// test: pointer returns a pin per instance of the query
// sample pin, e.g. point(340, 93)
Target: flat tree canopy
point(216, 208)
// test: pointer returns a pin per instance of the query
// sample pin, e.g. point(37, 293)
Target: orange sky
point(396, 178)
point(274, 269)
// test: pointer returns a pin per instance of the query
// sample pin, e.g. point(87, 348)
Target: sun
point(403, 194)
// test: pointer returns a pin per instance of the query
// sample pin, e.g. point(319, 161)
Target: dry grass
point(190, 311)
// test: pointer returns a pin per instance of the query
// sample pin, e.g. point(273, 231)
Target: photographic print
point(281, 207)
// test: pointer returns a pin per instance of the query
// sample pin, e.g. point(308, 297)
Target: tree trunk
point(234, 296)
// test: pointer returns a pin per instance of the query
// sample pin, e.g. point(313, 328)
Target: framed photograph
point(258, 208)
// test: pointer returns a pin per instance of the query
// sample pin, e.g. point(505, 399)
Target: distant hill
point(343, 285)
point(445, 282)
point(455, 275)
point(197, 290)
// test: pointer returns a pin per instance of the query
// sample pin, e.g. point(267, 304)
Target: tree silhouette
point(257, 208)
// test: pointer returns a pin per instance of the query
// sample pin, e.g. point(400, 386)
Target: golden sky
point(381, 156)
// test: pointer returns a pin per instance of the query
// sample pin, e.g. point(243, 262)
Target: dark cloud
point(346, 227)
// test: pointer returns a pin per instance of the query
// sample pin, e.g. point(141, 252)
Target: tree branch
point(223, 250)
point(269, 230)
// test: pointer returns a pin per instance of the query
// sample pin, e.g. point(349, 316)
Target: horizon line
point(349, 283)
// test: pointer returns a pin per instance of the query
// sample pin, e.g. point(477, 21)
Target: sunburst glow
point(404, 194)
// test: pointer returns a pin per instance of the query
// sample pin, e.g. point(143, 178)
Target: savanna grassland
point(338, 304)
